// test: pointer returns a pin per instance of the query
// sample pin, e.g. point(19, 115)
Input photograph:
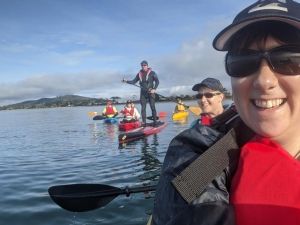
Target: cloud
point(178, 72)
point(55, 85)
point(194, 60)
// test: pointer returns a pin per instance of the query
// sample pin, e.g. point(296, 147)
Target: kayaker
point(263, 168)
point(149, 82)
point(210, 99)
point(180, 106)
point(110, 110)
point(130, 112)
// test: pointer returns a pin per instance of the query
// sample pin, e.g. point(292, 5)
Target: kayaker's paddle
point(92, 114)
point(85, 197)
point(193, 110)
point(99, 117)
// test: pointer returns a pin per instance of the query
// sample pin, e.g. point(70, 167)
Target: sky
point(50, 48)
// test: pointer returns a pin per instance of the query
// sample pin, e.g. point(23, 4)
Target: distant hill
point(60, 101)
point(76, 100)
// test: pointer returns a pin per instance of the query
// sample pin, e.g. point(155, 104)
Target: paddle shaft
point(160, 95)
point(127, 191)
point(171, 100)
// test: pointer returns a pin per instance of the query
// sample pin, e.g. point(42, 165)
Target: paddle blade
point(83, 197)
point(151, 117)
point(195, 110)
point(92, 114)
point(99, 117)
point(162, 114)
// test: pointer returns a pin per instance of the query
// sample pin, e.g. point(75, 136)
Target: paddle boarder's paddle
point(193, 110)
point(85, 197)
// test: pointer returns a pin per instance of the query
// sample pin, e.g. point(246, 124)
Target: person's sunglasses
point(207, 95)
point(283, 59)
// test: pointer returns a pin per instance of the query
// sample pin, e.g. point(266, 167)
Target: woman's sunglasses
point(207, 95)
point(283, 59)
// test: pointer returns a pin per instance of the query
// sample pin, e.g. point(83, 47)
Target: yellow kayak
point(180, 115)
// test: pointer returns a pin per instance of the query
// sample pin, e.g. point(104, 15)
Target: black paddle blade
point(151, 117)
point(99, 117)
point(83, 197)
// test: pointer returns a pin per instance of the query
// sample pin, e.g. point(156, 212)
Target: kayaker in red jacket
point(110, 110)
point(130, 112)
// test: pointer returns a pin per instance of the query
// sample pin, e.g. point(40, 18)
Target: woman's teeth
point(267, 104)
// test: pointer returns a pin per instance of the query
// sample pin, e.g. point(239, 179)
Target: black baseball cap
point(287, 11)
point(211, 83)
point(144, 62)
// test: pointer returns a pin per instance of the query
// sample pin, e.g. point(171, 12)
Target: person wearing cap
point(110, 110)
point(261, 179)
point(210, 99)
point(148, 82)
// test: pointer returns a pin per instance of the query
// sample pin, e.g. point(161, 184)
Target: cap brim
point(222, 39)
point(196, 87)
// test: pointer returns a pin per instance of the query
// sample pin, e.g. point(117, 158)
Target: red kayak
point(125, 126)
point(141, 132)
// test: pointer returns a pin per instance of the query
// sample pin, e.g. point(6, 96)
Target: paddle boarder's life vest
point(147, 75)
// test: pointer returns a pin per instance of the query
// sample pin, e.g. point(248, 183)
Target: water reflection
point(100, 131)
point(182, 121)
point(149, 157)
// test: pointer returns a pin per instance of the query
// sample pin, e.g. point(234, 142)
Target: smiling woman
point(261, 147)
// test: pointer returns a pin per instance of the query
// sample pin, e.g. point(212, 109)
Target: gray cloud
point(178, 72)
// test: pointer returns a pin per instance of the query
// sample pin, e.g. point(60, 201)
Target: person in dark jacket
point(148, 82)
point(210, 99)
point(262, 181)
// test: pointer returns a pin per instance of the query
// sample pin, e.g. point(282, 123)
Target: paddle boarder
point(148, 82)
point(259, 171)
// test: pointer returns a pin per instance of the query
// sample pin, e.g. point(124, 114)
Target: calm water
point(45, 147)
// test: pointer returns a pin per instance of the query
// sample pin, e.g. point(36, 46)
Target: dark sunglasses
point(207, 95)
point(283, 59)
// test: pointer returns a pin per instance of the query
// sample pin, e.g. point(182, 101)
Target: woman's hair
point(260, 31)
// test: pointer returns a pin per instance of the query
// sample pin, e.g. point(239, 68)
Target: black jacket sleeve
point(184, 149)
point(134, 80)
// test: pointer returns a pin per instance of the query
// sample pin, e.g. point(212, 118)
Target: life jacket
point(110, 110)
point(147, 74)
point(180, 107)
point(128, 112)
point(206, 119)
